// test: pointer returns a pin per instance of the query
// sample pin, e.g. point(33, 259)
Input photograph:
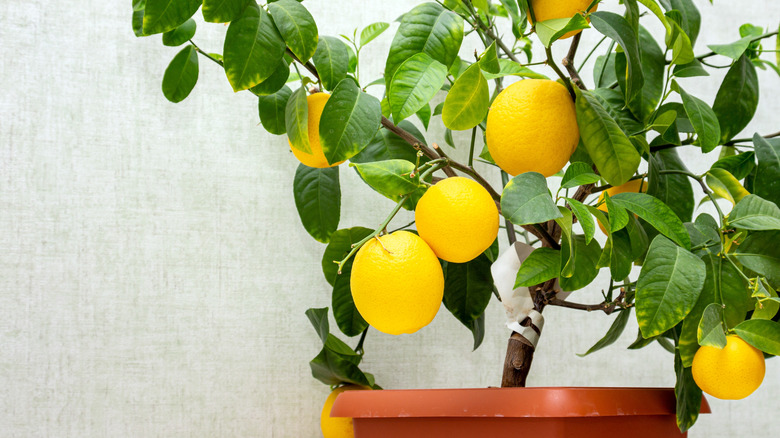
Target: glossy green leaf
point(331, 60)
point(223, 11)
point(578, 174)
point(620, 257)
point(767, 182)
point(551, 30)
point(690, 70)
point(272, 109)
point(604, 71)
point(682, 49)
point(703, 119)
point(181, 75)
point(511, 68)
point(737, 98)
point(138, 19)
point(653, 64)
point(252, 49)
point(297, 27)
point(618, 216)
point(762, 334)
point(339, 246)
point(164, 15)
point(489, 61)
point(668, 286)
point(755, 213)
point(349, 121)
point(732, 50)
point(657, 214)
point(731, 289)
point(468, 288)
point(347, 317)
point(739, 165)
point(296, 121)
point(688, 396)
point(318, 200)
point(690, 18)
point(372, 31)
point(615, 104)
point(180, 35)
point(390, 178)
point(584, 217)
point(566, 222)
point(608, 146)
point(652, 5)
point(319, 320)
point(768, 304)
point(674, 190)
point(688, 342)
point(711, 332)
point(467, 102)
point(760, 252)
point(541, 265)
point(584, 259)
point(526, 200)
point(334, 368)
point(725, 185)
point(275, 82)
point(414, 84)
point(613, 334)
point(428, 28)
point(619, 30)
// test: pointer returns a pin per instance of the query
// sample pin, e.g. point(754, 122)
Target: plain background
point(153, 271)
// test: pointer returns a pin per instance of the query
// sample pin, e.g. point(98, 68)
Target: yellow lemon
point(632, 186)
point(336, 427)
point(732, 373)
point(549, 9)
point(397, 283)
point(316, 158)
point(532, 127)
point(457, 218)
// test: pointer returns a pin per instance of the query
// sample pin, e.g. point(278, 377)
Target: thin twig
point(568, 62)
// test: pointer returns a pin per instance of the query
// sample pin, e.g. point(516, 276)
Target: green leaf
point(297, 27)
point(511, 68)
point(541, 265)
point(653, 63)
point(331, 60)
point(762, 334)
point(489, 61)
point(703, 119)
point(760, 252)
point(614, 102)
point(737, 98)
point(618, 217)
point(164, 15)
point(428, 28)
point(690, 18)
point(612, 335)
point(223, 11)
point(388, 146)
point(584, 259)
point(347, 317)
point(732, 50)
point(318, 200)
point(272, 110)
point(690, 70)
point(688, 343)
point(668, 286)
point(725, 185)
point(609, 147)
point(526, 200)
point(296, 120)
point(468, 288)
point(252, 49)
point(711, 332)
point(390, 178)
point(604, 71)
point(319, 319)
point(551, 30)
point(656, 10)
point(767, 183)
point(275, 82)
point(578, 174)
point(567, 242)
point(688, 396)
point(414, 84)
point(180, 35)
point(657, 214)
point(585, 218)
point(339, 246)
point(619, 30)
point(349, 121)
point(621, 257)
point(755, 213)
point(682, 49)
point(739, 165)
point(731, 289)
point(373, 30)
point(767, 305)
point(673, 190)
point(181, 75)
point(467, 102)
point(334, 368)
point(424, 114)
point(138, 20)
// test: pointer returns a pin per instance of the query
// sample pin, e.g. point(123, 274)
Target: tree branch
point(568, 62)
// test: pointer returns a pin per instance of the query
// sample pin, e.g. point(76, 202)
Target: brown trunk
point(519, 355)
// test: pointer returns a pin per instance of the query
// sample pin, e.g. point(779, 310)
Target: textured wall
point(154, 274)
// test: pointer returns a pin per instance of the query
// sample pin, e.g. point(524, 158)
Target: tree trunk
point(519, 355)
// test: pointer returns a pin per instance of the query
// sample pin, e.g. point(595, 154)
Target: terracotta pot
point(500, 412)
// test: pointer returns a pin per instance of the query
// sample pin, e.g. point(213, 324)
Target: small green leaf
point(568, 243)
point(578, 174)
point(467, 102)
point(319, 319)
point(690, 70)
point(272, 109)
point(688, 396)
point(318, 200)
point(618, 216)
point(615, 103)
point(584, 259)
point(424, 114)
point(711, 332)
point(297, 27)
point(414, 84)
point(526, 200)
point(585, 218)
point(767, 182)
point(657, 214)
point(488, 61)
point(612, 335)
point(672, 189)
point(339, 246)
point(331, 60)
point(737, 98)
point(739, 165)
point(349, 121)
point(348, 319)
point(682, 48)
point(164, 15)
point(181, 75)
point(511, 68)
point(725, 185)
point(762, 334)
point(703, 119)
point(334, 367)
point(275, 82)
point(768, 304)
point(180, 35)
point(755, 213)
point(668, 286)
point(223, 11)
point(373, 30)
point(252, 49)
point(296, 120)
point(619, 30)
point(541, 265)
point(468, 288)
point(732, 50)
point(391, 178)
point(551, 30)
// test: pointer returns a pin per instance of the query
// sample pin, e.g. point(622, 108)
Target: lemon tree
point(548, 148)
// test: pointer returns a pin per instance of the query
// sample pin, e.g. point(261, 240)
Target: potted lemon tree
point(591, 179)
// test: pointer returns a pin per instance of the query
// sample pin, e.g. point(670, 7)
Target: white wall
point(154, 274)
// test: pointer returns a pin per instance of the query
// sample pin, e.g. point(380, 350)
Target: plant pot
point(499, 412)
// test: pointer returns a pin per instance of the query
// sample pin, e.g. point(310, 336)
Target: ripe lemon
point(732, 373)
point(532, 127)
point(458, 219)
point(316, 158)
point(336, 427)
point(632, 186)
point(549, 9)
point(397, 283)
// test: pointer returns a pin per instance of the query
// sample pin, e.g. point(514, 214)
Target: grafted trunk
point(517, 365)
